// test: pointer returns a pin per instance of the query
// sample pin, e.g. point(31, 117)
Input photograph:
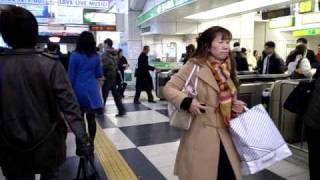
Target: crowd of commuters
point(46, 96)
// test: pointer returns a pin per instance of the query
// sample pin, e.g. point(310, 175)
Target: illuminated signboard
point(67, 15)
point(103, 28)
point(96, 17)
point(306, 32)
point(281, 22)
point(40, 12)
point(306, 6)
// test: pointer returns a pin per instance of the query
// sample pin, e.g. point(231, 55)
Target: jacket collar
point(206, 75)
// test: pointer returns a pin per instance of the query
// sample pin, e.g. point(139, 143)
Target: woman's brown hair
point(204, 42)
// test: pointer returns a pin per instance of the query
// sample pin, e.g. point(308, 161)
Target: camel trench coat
point(198, 154)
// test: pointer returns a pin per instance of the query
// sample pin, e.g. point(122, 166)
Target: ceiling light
point(234, 8)
point(54, 39)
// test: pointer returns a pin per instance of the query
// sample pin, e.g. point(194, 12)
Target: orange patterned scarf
point(221, 72)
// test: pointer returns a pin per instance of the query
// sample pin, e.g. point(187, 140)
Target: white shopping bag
point(257, 140)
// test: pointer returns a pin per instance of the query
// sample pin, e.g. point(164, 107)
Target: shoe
point(121, 114)
point(152, 101)
point(136, 102)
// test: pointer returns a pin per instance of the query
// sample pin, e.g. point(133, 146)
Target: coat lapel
point(206, 75)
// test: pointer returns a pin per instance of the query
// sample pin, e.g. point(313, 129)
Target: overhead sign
point(281, 22)
point(161, 8)
point(97, 17)
point(40, 12)
point(276, 13)
point(310, 18)
point(306, 6)
point(103, 28)
point(30, 2)
point(100, 4)
point(67, 15)
point(306, 32)
point(96, 4)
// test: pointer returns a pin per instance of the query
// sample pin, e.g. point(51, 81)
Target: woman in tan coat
point(206, 150)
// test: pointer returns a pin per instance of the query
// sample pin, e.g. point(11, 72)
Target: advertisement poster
point(95, 4)
point(40, 12)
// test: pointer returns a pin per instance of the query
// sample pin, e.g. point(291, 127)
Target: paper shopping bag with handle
point(257, 140)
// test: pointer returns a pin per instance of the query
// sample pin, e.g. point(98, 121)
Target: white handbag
point(180, 118)
point(257, 140)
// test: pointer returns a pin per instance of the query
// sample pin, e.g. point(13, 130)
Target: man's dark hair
point(51, 46)
point(18, 27)
point(145, 48)
point(236, 44)
point(243, 50)
point(270, 44)
point(86, 43)
point(303, 40)
point(109, 42)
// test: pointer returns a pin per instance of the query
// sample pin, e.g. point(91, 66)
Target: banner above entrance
point(94, 4)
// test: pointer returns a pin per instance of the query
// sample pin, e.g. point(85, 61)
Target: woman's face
point(220, 47)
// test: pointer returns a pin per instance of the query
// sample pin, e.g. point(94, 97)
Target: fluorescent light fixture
point(234, 8)
point(54, 39)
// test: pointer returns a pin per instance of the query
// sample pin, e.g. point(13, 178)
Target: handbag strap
point(196, 81)
point(197, 69)
point(190, 75)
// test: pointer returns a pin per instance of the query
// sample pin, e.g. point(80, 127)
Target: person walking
point(110, 69)
point(35, 92)
point(206, 150)
point(144, 80)
point(85, 74)
point(122, 66)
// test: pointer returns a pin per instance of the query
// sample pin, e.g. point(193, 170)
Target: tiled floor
point(149, 145)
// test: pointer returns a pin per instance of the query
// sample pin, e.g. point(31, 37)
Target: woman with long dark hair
point(85, 73)
point(298, 65)
point(206, 150)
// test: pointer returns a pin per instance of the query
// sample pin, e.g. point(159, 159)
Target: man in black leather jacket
point(34, 93)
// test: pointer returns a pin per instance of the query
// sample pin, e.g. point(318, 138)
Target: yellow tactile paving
point(115, 167)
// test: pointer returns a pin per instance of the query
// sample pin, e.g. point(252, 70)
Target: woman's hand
point(237, 108)
point(196, 107)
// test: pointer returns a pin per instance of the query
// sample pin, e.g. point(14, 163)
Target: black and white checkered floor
point(149, 145)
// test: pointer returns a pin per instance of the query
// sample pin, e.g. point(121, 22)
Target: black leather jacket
point(35, 92)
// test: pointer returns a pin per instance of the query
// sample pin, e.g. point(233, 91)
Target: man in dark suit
point(144, 79)
point(270, 62)
point(310, 54)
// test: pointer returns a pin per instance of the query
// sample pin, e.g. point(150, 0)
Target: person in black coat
point(270, 62)
point(241, 60)
point(122, 66)
point(32, 130)
point(312, 124)
point(144, 80)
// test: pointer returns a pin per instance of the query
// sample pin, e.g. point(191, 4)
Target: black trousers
point(138, 92)
point(92, 126)
point(225, 171)
point(110, 85)
point(50, 175)
point(313, 136)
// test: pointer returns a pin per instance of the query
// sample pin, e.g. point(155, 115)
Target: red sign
point(103, 28)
